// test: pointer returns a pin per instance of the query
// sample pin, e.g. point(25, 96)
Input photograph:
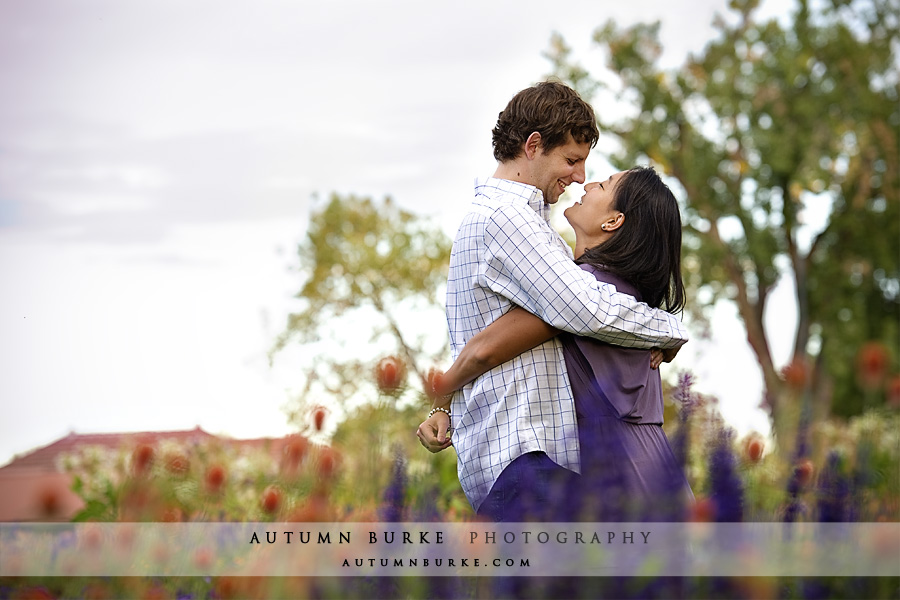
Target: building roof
point(45, 458)
point(33, 486)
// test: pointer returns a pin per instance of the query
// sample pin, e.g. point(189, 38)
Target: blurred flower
point(327, 463)
point(178, 464)
point(703, 510)
point(318, 416)
point(435, 388)
point(294, 452)
point(804, 470)
point(754, 448)
point(316, 509)
point(203, 558)
point(172, 514)
point(871, 365)
point(833, 491)
point(727, 489)
point(97, 591)
point(797, 373)
point(32, 593)
point(215, 478)
point(685, 398)
point(800, 477)
point(395, 493)
point(156, 592)
point(892, 391)
point(389, 374)
point(271, 500)
point(142, 459)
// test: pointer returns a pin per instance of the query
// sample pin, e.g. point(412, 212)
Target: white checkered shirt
point(506, 254)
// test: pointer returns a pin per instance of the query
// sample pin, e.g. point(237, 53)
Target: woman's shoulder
point(609, 277)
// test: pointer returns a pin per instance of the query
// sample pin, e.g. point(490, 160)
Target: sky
point(159, 160)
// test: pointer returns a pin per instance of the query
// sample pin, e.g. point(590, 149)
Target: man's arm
point(524, 265)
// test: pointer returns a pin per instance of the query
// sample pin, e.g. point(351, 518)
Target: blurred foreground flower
point(871, 365)
point(389, 374)
point(754, 448)
point(796, 374)
point(271, 500)
point(215, 478)
point(142, 459)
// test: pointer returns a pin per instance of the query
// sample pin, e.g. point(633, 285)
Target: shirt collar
point(530, 194)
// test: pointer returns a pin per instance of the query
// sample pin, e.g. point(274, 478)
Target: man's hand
point(432, 433)
point(658, 356)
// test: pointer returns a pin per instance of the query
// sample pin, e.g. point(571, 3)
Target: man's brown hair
point(552, 109)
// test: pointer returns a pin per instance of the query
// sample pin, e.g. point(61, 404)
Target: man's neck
point(513, 170)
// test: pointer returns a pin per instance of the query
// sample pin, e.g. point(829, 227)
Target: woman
point(628, 233)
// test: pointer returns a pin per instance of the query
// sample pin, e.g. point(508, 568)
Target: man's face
point(559, 167)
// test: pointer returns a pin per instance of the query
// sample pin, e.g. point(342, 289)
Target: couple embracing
point(558, 410)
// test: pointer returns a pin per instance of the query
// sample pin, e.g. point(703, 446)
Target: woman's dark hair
point(646, 250)
point(552, 109)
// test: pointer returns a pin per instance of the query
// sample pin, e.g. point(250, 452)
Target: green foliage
point(771, 123)
point(362, 265)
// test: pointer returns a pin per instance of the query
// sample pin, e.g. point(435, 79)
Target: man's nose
point(578, 174)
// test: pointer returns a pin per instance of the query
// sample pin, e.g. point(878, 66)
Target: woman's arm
point(507, 337)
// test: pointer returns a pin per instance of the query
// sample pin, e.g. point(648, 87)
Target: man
point(514, 428)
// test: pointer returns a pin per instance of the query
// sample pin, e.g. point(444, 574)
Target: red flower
point(389, 373)
point(178, 464)
point(271, 500)
point(796, 374)
point(294, 452)
point(203, 558)
point(97, 591)
point(871, 365)
point(434, 384)
point(703, 510)
point(32, 593)
point(215, 477)
point(142, 458)
point(328, 463)
point(172, 514)
point(893, 391)
point(318, 416)
point(804, 470)
point(755, 449)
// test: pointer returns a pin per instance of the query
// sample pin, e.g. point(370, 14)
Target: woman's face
point(593, 218)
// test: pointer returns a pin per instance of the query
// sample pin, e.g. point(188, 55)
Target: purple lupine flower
point(684, 397)
point(395, 494)
point(834, 491)
point(727, 489)
point(801, 471)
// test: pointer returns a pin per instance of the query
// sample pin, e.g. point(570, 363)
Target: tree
point(768, 123)
point(364, 264)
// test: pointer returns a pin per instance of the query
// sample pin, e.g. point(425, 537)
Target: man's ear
point(532, 145)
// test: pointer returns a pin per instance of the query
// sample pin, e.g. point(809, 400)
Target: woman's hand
point(658, 356)
point(433, 433)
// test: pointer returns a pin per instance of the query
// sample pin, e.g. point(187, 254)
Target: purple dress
point(629, 472)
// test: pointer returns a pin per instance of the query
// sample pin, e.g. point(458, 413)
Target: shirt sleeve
point(523, 264)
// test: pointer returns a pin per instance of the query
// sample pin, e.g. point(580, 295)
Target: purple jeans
point(531, 488)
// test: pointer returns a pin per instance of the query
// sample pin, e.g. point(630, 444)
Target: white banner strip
point(450, 549)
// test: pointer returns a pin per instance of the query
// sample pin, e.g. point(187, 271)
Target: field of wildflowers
point(372, 470)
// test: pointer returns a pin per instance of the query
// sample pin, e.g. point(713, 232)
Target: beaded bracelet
point(438, 409)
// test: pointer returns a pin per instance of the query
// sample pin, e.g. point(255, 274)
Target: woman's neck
point(582, 243)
